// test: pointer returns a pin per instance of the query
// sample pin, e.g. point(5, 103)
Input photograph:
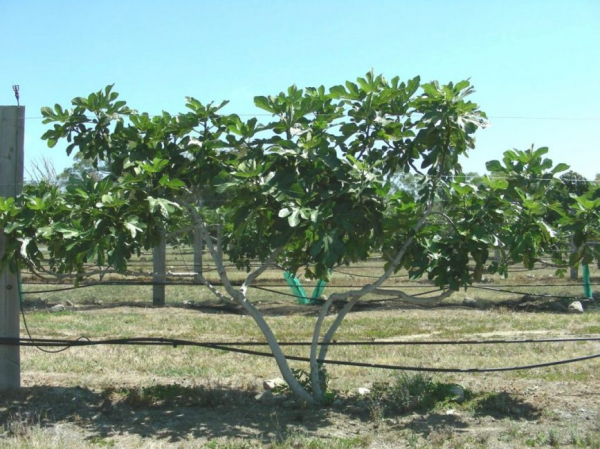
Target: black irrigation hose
point(25, 320)
point(259, 287)
point(150, 283)
point(220, 346)
point(476, 285)
point(161, 341)
point(418, 368)
point(85, 341)
point(105, 283)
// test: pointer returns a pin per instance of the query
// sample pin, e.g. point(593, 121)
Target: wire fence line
point(418, 176)
point(292, 295)
point(274, 285)
point(177, 260)
point(264, 114)
point(234, 347)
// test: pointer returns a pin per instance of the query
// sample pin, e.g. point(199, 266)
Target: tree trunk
point(282, 363)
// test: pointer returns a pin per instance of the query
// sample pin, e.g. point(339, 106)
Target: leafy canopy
point(317, 180)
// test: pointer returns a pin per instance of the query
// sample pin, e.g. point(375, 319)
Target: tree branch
point(213, 289)
point(356, 295)
point(215, 253)
point(180, 231)
point(448, 219)
point(430, 300)
point(260, 270)
point(61, 276)
point(239, 297)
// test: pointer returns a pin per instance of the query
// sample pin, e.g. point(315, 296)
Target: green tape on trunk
point(587, 288)
point(296, 287)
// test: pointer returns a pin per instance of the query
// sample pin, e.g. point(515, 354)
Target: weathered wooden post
point(198, 253)
point(159, 271)
point(574, 272)
point(12, 130)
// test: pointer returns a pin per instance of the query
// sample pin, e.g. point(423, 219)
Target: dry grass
point(136, 380)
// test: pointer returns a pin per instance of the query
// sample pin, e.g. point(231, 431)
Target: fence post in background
point(574, 270)
point(12, 131)
point(497, 255)
point(198, 252)
point(159, 271)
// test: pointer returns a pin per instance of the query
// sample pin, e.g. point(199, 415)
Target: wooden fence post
point(574, 272)
point(198, 252)
point(12, 130)
point(159, 272)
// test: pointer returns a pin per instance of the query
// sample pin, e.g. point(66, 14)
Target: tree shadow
point(434, 422)
point(163, 412)
point(278, 308)
point(174, 413)
point(503, 405)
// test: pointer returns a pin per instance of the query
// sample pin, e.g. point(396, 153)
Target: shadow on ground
point(158, 413)
point(526, 303)
point(501, 405)
point(173, 413)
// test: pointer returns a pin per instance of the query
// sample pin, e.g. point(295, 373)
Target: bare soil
point(515, 414)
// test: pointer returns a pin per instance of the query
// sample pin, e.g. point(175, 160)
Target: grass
point(412, 392)
point(188, 362)
point(142, 379)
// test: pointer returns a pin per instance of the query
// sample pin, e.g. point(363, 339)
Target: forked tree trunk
point(280, 358)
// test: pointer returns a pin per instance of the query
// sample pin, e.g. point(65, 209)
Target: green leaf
point(338, 92)
point(496, 183)
point(68, 233)
point(548, 230)
point(264, 104)
point(171, 183)
point(284, 212)
point(462, 189)
point(132, 227)
point(560, 167)
point(294, 218)
point(494, 166)
point(6, 203)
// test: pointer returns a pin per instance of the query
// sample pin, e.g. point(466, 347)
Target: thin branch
point(213, 289)
point(415, 168)
point(180, 231)
point(60, 276)
point(220, 242)
point(356, 295)
point(431, 300)
point(260, 270)
point(448, 219)
point(215, 253)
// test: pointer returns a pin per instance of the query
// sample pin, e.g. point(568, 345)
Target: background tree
point(81, 168)
point(42, 170)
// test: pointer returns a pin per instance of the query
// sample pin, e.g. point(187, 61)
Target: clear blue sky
point(537, 59)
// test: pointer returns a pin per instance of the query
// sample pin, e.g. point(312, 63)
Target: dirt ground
point(516, 414)
point(496, 413)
